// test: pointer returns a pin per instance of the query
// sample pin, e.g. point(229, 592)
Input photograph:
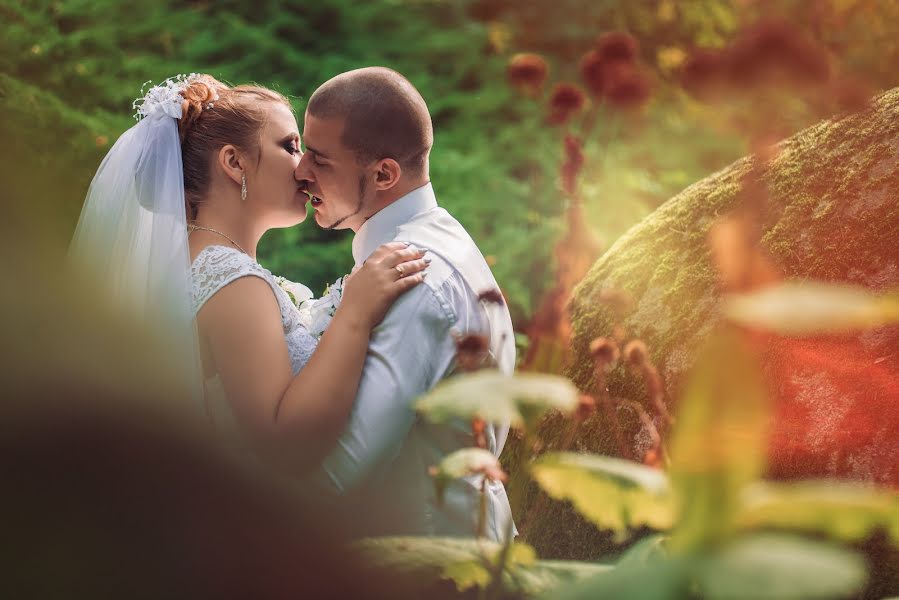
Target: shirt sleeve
point(409, 351)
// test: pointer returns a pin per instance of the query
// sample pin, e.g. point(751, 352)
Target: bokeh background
point(69, 70)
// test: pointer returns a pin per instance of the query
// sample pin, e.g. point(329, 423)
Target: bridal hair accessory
point(167, 97)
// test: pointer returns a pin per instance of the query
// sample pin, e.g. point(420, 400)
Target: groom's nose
point(303, 172)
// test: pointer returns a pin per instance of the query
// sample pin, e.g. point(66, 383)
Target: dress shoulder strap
point(217, 266)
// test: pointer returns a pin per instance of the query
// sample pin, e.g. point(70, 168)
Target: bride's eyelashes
point(292, 148)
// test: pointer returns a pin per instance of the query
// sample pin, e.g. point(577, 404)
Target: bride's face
point(273, 189)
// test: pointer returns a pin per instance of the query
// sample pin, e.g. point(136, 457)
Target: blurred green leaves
point(496, 398)
point(614, 494)
point(809, 308)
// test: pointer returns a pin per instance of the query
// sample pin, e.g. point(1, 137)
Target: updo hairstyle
point(214, 115)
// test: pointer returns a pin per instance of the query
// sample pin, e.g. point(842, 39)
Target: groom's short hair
point(386, 117)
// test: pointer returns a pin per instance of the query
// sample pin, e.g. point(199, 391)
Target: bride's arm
point(295, 420)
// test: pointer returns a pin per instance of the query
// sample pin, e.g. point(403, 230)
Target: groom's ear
point(388, 173)
point(231, 163)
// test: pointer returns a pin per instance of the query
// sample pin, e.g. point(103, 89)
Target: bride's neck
point(230, 217)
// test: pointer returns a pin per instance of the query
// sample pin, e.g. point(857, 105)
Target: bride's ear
point(230, 161)
point(387, 174)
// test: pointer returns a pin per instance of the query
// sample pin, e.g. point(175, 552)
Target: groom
point(368, 135)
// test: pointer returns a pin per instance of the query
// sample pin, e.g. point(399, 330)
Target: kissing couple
point(171, 226)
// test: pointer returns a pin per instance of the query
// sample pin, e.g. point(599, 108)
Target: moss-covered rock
point(833, 215)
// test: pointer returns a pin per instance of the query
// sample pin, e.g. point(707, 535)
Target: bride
point(171, 225)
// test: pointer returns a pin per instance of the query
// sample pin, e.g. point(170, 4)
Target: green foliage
point(496, 398)
point(843, 511)
point(614, 494)
point(779, 567)
point(809, 308)
point(88, 60)
point(719, 444)
point(461, 463)
point(414, 564)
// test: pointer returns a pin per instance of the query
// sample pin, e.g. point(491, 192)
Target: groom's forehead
point(323, 134)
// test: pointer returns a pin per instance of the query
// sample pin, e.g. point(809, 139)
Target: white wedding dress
point(213, 269)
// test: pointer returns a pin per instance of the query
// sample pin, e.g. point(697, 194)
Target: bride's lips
point(316, 201)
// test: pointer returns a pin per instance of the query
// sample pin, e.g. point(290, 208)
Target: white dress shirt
point(380, 463)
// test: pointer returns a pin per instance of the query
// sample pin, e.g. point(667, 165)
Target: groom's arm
point(408, 354)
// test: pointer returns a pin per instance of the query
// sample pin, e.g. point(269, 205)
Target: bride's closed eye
point(292, 148)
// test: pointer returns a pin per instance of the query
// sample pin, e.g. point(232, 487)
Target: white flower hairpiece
point(166, 97)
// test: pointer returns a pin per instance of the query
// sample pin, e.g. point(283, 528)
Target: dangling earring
point(243, 187)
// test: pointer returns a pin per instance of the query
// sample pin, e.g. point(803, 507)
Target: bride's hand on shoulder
point(391, 270)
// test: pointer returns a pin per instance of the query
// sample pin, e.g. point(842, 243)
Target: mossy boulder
point(833, 215)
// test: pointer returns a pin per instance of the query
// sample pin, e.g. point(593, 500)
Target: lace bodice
point(217, 266)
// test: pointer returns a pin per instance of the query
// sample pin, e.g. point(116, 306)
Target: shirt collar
point(381, 227)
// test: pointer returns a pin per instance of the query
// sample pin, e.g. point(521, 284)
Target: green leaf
point(461, 463)
point(804, 308)
point(649, 549)
point(414, 565)
point(844, 511)
point(720, 442)
point(496, 398)
point(664, 580)
point(614, 494)
point(780, 568)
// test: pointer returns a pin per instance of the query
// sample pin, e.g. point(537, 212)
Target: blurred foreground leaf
point(415, 564)
point(780, 568)
point(803, 308)
point(720, 441)
point(467, 461)
point(496, 398)
point(844, 511)
point(614, 494)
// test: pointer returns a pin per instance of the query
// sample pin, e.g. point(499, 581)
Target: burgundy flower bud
point(626, 87)
point(493, 296)
point(593, 72)
point(471, 351)
point(635, 353)
point(617, 46)
point(773, 51)
point(527, 72)
point(566, 99)
point(604, 350)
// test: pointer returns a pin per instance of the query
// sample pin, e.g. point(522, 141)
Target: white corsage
point(322, 310)
point(299, 294)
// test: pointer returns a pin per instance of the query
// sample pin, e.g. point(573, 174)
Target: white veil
point(132, 234)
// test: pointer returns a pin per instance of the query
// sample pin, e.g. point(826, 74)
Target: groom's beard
point(363, 187)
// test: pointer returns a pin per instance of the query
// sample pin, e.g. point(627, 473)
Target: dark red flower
point(604, 350)
point(593, 72)
point(617, 46)
point(471, 351)
point(626, 87)
point(493, 296)
point(527, 72)
point(566, 99)
point(636, 354)
point(774, 51)
point(586, 407)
